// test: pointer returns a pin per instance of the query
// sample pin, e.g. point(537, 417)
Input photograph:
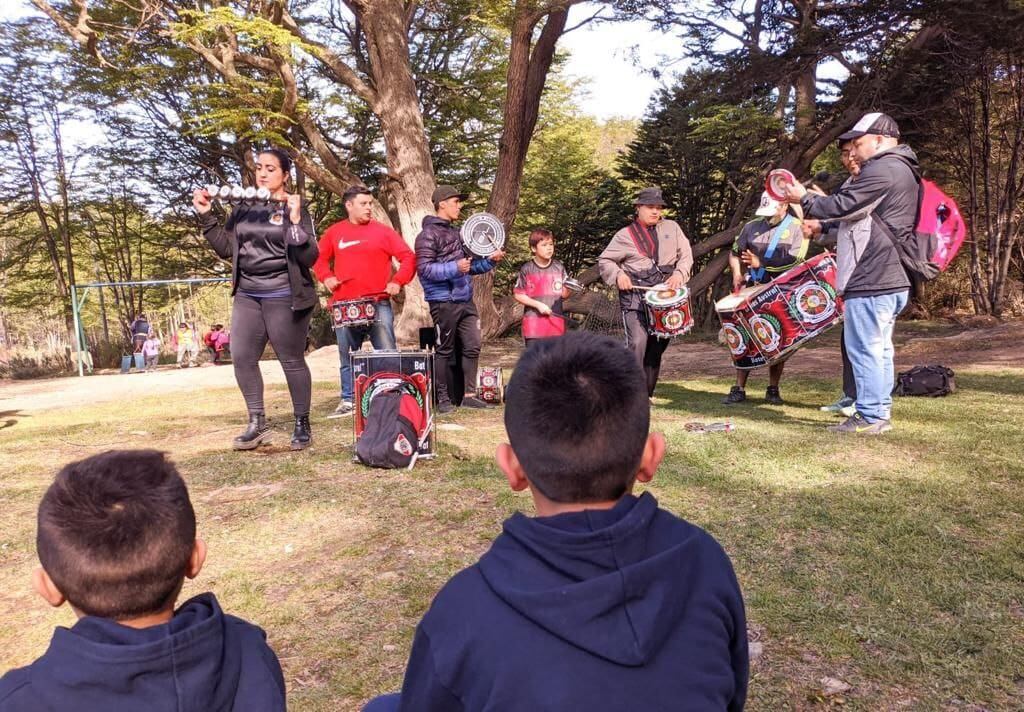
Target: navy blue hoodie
point(630, 608)
point(200, 661)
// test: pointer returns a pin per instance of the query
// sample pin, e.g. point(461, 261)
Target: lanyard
point(758, 274)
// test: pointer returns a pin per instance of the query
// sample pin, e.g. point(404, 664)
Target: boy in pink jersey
point(541, 288)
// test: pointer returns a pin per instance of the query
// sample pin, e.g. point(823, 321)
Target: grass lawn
point(894, 565)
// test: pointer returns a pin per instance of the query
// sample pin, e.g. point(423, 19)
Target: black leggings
point(254, 322)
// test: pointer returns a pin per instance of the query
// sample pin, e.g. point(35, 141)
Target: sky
point(600, 54)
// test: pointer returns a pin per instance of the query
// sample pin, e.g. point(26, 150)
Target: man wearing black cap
point(445, 271)
point(647, 252)
point(875, 211)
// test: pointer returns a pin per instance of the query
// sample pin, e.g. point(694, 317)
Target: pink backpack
point(938, 233)
point(940, 221)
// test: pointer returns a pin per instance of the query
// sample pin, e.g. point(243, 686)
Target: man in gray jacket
point(876, 209)
point(647, 252)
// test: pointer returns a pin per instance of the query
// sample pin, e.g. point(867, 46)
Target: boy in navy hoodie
point(116, 539)
point(603, 601)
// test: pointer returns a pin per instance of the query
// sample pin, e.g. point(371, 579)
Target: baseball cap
point(768, 206)
point(876, 124)
point(444, 192)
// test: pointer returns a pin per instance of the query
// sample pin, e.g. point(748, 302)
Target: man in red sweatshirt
point(356, 262)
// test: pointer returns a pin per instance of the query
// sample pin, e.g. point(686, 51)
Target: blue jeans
point(351, 338)
point(867, 333)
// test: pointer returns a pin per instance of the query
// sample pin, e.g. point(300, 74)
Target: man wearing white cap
point(766, 247)
point(876, 211)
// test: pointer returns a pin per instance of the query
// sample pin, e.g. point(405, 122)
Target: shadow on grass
point(709, 404)
point(8, 419)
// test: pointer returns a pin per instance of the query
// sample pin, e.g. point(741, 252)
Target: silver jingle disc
point(263, 194)
point(225, 192)
point(249, 194)
point(483, 234)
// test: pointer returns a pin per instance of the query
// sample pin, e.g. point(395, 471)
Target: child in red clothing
point(541, 288)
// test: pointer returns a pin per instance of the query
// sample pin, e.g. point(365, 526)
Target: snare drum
point(354, 312)
point(763, 325)
point(374, 372)
point(490, 384)
point(668, 312)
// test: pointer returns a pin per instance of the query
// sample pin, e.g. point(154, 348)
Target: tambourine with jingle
point(483, 234)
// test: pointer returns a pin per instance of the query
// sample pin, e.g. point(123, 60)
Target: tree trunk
point(410, 178)
point(524, 82)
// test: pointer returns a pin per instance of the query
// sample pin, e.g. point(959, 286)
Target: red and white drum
point(668, 312)
point(354, 312)
point(764, 324)
point(374, 372)
point(490, 384)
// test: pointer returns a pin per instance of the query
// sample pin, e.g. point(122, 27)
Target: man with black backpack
point(878, 211)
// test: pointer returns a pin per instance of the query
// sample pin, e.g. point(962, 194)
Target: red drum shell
point(490, 384)
point(763, 325)
point(668, 318)
point(354, 312)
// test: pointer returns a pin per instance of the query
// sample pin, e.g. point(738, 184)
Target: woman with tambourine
point(272, 245)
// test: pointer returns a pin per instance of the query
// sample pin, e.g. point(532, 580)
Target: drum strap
point(758, 274)
point(645, 239)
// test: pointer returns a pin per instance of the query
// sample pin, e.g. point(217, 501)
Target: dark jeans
point(849, 383)
point(455, 321)
point(254, 322)
point(648, 349)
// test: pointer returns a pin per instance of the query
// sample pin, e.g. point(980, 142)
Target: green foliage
point(565, 190)
point(705, 155)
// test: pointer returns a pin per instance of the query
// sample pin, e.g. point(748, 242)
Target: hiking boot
point(839, 406)
point(474, 402)
point(856, 425)
point(257, 432)
point(445, 407)
point(344, 408)
point(302, 437)
point(736, 395)
point(772, 396)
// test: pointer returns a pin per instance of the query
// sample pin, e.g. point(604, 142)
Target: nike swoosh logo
point(342, 244)
point(861, 430)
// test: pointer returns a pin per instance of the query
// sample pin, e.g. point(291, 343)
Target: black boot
point(257, 432)
point(301, 437)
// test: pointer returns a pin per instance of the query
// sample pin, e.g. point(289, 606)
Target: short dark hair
point(354, 191)
point(115, 533)
point(577, 417)
point(282, 157)
point(539, 235)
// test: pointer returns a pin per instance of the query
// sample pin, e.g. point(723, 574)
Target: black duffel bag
point(931, 381)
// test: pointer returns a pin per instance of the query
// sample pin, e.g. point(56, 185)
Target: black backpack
point(389, 439)
point(931, 381)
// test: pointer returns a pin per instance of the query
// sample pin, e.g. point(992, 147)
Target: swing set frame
point(77, 304)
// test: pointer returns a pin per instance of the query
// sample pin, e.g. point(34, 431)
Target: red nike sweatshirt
point(360, 257)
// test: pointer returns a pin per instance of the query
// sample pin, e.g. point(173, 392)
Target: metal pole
point(78, 326)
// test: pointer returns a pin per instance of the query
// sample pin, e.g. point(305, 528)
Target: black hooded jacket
point(200, 661)
point(886, 191)
point(630, 608)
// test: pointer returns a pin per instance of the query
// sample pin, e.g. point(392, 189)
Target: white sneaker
point(344, 408)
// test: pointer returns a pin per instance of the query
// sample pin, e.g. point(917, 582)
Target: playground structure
point(77, 304)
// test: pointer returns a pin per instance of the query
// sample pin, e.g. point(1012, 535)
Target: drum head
point(777, 182)
point(665, 297)
point(483, 234)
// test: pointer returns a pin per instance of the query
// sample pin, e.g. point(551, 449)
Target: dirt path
point(959, 346)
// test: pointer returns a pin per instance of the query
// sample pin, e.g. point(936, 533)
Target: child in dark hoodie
point(116, 539)
point(603, 601)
